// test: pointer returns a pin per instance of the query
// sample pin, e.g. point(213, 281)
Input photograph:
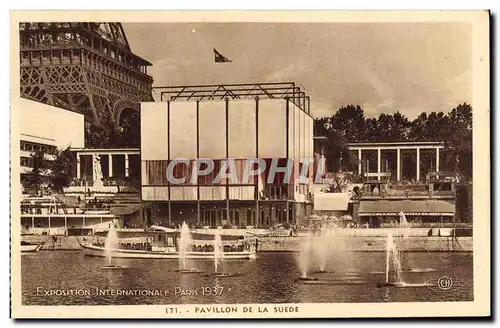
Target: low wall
point(292, 244)
point(374, 244)
point(63, 243)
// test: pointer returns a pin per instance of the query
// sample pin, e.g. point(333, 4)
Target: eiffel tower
point(88, 68)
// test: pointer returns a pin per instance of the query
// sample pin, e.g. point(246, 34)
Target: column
point(93, 171)
point(78, 170)
point(169, 212)
point(437, 159)
point(257, 211)
point(359, 161)
point(286, 211)
point(110, 165)
point(379, 162)
point(126, 165)
point(65, 225)
point(198, 219)
point(418, 164)
point(83, 221)
point(32, 222)
point(398, 166)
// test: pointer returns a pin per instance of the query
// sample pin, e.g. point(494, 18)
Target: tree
point(459, 141)
point(106, 134)
point(321, 126)
point(349, 123)
point(61, 170)
point(432, 127)
point(340, 180)
point(36, 177)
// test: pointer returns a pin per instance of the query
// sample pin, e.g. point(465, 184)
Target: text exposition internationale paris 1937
point(250, 165)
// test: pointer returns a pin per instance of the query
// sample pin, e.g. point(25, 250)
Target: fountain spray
point(111, 243)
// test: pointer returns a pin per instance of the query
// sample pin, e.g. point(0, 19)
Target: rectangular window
point(156, 173)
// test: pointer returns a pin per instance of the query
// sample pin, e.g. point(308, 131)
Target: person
point(256, 244)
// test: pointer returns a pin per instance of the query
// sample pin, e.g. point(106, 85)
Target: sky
point(383, 67)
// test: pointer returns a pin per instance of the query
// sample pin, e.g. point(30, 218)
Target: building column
point(286, 211)
point(66, 225)
point(227, 212)
point(359, 162)
point(83, 221)
point(418, 164)
point(437, 159)
point(398, 166)
point(126, 165)
point(198, 219)
point(110, 165)
point(32, 222)
point(169, 213)
point(379, 162)
point(93, 171)
point(78, 169)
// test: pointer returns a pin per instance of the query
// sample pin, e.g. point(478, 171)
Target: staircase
point(69, 201)
point(123, 204)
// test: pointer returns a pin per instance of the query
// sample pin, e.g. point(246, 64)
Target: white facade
point(47, 128)
point(65, 128)
point(236, 129)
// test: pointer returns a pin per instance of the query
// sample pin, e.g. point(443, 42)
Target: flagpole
point(214, 63)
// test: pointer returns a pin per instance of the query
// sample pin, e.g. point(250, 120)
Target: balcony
point(406, 194)
point(275, 192)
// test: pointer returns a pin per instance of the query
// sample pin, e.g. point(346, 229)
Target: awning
point(427, 207)
point(331, 201)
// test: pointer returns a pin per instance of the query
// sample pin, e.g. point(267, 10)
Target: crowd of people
point(192, 248)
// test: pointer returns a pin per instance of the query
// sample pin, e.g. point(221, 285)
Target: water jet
point(110, 245)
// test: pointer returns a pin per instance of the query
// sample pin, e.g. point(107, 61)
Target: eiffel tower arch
point(88, 68)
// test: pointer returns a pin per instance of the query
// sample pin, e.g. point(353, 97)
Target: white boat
point(163, 244)
point(30, 247)
point(162, 253)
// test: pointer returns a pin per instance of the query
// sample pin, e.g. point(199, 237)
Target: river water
point(70, 278)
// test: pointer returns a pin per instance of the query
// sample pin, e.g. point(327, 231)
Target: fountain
point(306, 248)
point(405, 232)
point(323, 248)
point(109, 246)
point(392, 256)
point(185, 242)
point(219, 258)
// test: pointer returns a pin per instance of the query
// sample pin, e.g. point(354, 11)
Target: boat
point(162, 243)
point(27, 247)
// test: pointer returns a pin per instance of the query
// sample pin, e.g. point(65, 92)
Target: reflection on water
point(70, 278)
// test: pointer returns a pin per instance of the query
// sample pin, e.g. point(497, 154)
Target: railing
point(408, 193)
point(274, 192)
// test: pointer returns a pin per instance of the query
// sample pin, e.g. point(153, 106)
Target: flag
point(219, 58)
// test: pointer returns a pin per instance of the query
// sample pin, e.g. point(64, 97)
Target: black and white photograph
point(246, 167)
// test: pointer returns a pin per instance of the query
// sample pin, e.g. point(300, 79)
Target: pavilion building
point(403, 177)
point(269, 121)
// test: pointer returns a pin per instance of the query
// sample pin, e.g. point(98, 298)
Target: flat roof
point(285, 90)
point(106, 150)
point(397, 143)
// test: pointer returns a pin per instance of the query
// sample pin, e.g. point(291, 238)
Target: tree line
point(350, 125)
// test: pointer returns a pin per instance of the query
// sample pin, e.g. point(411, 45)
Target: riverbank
point(292, 244)
point(374, 244)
